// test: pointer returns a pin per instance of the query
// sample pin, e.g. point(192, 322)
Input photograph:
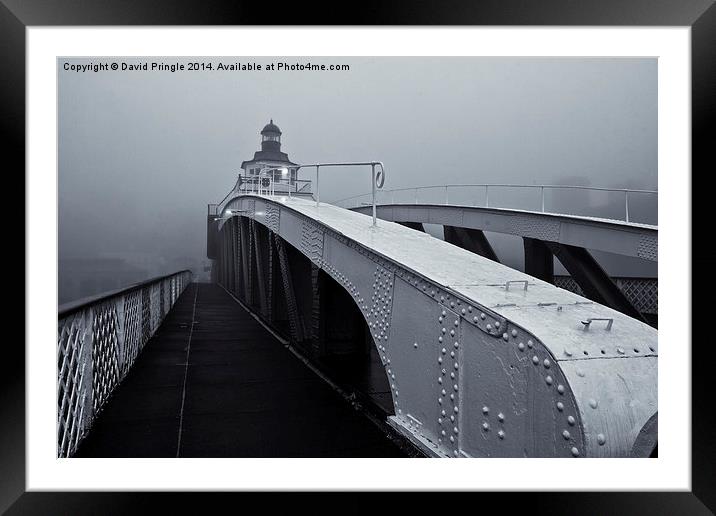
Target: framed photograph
point(418, 253)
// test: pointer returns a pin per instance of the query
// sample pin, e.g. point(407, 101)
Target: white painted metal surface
point(515, 337)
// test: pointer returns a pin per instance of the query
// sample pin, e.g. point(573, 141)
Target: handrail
point(487, 186)
point(67, 309)
point(377, 180)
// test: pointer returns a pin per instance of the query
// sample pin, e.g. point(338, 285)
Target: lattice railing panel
point(98, 341)
point(72, 370)
point(132, 335)
point(105, 360)
point(643, 293)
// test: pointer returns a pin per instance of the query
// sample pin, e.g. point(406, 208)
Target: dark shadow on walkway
point(245, 395)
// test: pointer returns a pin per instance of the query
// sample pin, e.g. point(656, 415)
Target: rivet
point(443, 392)
point(530, 343)
point(443, 351)
point(463, 311)
point(593, 403)
point(440, 339)
point(485, 426)
point(443, 433)
point(440, 319)
point(575, 452)
point(452, 354)
point(567, 352)
point(452, 397)
point(505, 336)
point(440, 420)
point(501, 434)
point(452, 304)
point(455, 387)
point(489, 327)
point(443, 413)
point(521, 346)
point(535, 360)
point(456, 410)
point(620, 351)
point(455, 429)
point(497, 324)
point(474, 319)
point(560, 406)
point(452, 375)
point(457, 344)
point(440, 400)
point(469, 309)
point(514, 333)
point(457, 322)
point(548, 380)
point(443, 330)
point(482, 316)
point(485, 409)
point(452, 439)
point(452, 418)
point(570, 420)
point(440, 360)
point(452, 333)
point(566, 434)
point(560, 388)
point(601, 439)
point(415, 345)
point(455, 365)
point(440, 380)
point(501, 416)
point(546, 363)
point(444, 313)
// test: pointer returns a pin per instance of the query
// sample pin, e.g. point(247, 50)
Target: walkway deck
point(241, 393)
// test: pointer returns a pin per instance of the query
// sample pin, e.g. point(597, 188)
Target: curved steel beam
point(623, 238)
point(482, 360)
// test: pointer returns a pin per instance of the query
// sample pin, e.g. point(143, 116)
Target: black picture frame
point(700, 15)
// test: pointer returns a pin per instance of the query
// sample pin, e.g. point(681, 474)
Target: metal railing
point(389, 195)
point(377, 178)
point(98, 340)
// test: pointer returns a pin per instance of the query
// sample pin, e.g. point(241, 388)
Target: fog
point(141, 153)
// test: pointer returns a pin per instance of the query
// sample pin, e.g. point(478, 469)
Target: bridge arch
point(469, 373)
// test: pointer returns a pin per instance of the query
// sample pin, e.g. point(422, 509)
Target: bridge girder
point(479, 369)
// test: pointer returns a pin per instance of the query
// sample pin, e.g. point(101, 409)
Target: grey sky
point(142, 153)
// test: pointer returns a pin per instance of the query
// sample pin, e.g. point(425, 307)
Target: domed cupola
point(271, 137)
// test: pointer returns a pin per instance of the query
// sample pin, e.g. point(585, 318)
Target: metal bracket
point(507, 283)
point(589, 321)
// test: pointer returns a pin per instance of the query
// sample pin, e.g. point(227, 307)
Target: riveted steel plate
point(516, 391)
point(562, 329)
point(417, 369)
point(613, 401)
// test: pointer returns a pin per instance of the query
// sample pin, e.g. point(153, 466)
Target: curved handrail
point(487, 186)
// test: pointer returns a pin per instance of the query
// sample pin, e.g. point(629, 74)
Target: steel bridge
point(446, 352)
